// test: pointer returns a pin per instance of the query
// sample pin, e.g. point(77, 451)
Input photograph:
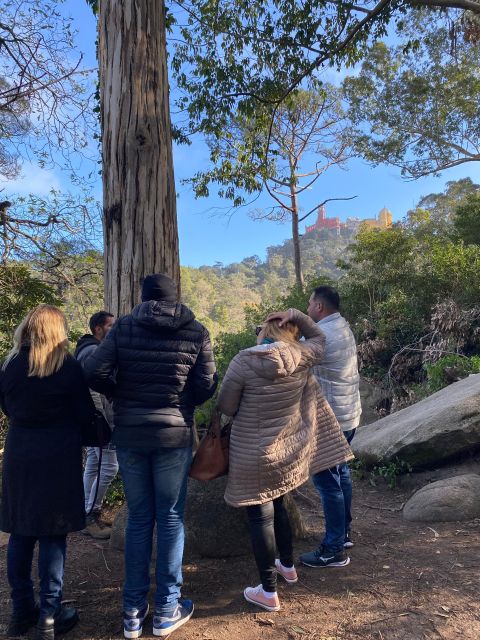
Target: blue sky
point(209, 232)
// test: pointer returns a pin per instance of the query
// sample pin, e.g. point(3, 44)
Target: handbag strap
point(215, 426)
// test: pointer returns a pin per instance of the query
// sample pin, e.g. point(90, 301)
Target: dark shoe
point(323, 558)
point(133, 622)
point(164, 625)
point(348, 544)
point(99, 520)
point(95, 530)
point(21, 621)
point(50, 626)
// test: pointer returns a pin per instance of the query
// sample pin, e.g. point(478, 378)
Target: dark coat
point(84, 349)
point(42, 488)
point(158, 364)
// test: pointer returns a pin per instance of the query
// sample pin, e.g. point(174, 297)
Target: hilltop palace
point(382, 221)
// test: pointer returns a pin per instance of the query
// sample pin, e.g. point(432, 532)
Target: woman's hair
point(44, 330)
point(289, 332)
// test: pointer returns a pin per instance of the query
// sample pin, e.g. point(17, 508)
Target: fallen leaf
point(386, 566)
point(442, 615)
point(299, 630)
point(447, 609)
point(266, 621)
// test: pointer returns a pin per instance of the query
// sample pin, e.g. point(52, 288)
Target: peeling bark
point(139, 207)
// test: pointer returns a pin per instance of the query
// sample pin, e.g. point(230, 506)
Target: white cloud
point(32, 179)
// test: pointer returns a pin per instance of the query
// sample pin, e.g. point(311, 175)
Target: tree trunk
point(296, 242)
point(139, 208)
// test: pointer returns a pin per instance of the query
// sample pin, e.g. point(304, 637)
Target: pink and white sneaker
point(289, 574)
point(256, 595)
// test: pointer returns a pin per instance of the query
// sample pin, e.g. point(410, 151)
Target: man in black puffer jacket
point(157, 364)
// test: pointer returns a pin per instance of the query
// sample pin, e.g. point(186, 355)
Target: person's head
point(44, 331)
point(271, 330)
point(100, 324)
point(323, 302)
point(159, 286)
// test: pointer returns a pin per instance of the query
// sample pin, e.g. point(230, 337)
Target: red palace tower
point(324, 223)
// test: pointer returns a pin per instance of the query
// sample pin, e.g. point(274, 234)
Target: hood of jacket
point(85, 341)
point(275, 360)
point(158, 314)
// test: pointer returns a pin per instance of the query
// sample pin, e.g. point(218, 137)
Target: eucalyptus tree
point(306, 138)
point(235, 56)
point(139, 208)
point(46, 119)
point(418, 106)
point(46, 112)
point(226, 58)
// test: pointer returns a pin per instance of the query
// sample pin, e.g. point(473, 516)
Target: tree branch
point(321, 205)
point(469, 5)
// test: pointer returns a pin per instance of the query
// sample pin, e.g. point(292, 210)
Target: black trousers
point(270, 529)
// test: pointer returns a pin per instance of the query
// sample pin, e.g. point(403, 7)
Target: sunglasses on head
point(258, 329)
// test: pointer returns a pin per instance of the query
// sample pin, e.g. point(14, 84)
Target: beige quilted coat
point(283, 429)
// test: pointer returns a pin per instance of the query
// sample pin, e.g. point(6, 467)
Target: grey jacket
point(338, 371)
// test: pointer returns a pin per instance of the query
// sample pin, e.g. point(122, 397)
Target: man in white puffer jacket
point(338, 376)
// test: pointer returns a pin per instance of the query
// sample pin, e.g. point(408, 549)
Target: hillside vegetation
point(410, 292)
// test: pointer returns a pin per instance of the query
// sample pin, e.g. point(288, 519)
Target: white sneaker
point(256, 595)
point(289, 574)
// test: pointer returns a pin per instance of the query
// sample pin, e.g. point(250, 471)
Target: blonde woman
point(46, 399)
point(283, 431)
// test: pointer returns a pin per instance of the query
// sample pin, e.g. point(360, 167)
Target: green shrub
point(21, 291)
point(446, 369)
point(389, 471)
point(115, 495)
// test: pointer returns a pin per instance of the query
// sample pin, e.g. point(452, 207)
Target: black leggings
point(270, 528)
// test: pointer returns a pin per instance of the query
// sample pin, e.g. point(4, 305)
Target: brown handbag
point(211, 459)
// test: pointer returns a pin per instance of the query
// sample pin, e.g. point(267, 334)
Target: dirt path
point(405, 582)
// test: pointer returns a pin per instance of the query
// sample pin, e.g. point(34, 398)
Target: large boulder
point(212, 528)
point(448, 500)
point(427, 433)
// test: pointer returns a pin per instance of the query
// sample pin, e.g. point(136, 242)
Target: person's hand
point(282, 316)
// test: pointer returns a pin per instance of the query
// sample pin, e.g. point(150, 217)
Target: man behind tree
point(100, 324)
point(163, 365)
point(338, 376)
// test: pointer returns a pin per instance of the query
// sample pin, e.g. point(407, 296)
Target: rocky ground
point(406, 581)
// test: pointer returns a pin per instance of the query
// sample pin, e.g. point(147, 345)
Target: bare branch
point(322, 204)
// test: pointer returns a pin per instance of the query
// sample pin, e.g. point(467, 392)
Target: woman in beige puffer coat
point(283, 431)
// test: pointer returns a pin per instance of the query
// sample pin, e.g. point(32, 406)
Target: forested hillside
point(219, 293)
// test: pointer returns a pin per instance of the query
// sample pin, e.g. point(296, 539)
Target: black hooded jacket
point(157, 363)
point(86, 342)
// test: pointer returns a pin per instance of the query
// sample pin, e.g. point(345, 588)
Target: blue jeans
point(335, 488)
point(346, 483)
point(108, 471)
point(155, 482)
point(51, 563)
